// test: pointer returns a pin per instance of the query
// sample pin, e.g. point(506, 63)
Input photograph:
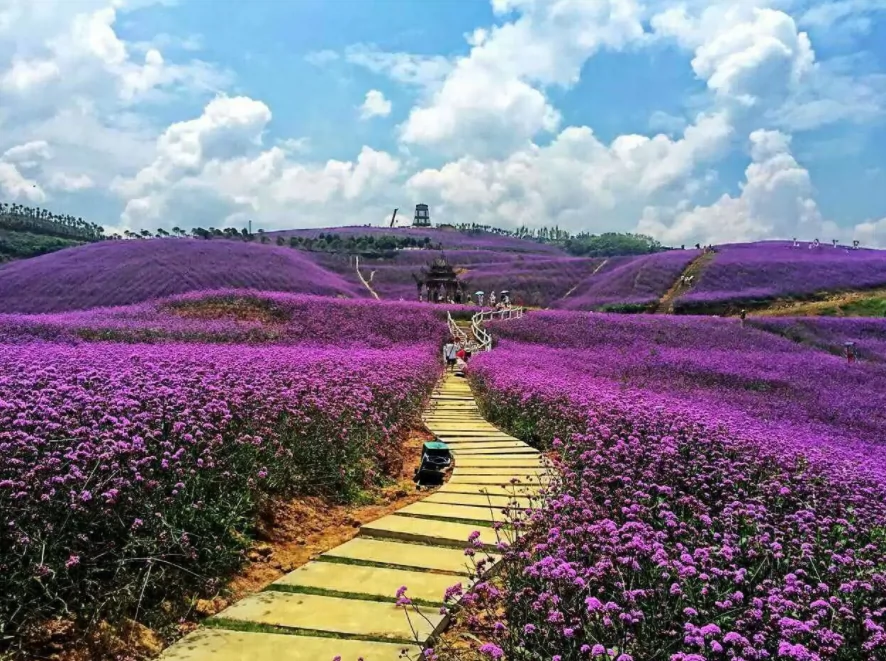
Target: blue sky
point(692, 121)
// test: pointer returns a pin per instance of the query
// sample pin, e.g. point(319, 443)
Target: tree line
point(583, 244)
point(19, 218)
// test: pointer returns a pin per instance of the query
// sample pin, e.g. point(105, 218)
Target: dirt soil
point(290, 534)
point(239, 309)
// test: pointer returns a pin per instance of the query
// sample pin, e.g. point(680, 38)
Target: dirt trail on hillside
point(695, 268)
point(363, 280)
point(575, 286)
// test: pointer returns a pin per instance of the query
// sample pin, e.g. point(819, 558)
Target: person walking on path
point(449, 351)
point(492, 299)
point(743, 314)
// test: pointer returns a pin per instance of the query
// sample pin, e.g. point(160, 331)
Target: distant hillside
point(113, 273)
point(629, 284)
point(536, 280)
point(754, 275)
point(447, 238)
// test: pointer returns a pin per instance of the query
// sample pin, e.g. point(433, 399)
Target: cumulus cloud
point(745, 54)
point(375, 105)
point(29, 154)
point(26, 75)
point(493, 100)
point(70, 182)
point(776, 201)
point(17, 187)
point(213, 169)
point(577, 182)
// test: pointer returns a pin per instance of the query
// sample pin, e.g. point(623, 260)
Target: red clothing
point(461, 354)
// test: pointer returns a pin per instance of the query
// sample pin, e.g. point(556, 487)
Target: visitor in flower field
point(743, 314)
point(460, 366)
point(461, 354)
point(449, 356)
point(492, 299)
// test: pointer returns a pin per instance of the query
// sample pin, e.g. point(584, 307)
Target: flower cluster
point(131, 473)
point(699, 516)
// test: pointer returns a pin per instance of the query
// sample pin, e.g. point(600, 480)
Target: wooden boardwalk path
point(342, 604)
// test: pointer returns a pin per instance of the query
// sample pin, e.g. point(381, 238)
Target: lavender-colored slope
point(448, 238)
point(745, 378)
point(240, 317)
point(536, 280)
point(831, 334)
point(629, 281)
point(123, 272)
point(744, 273)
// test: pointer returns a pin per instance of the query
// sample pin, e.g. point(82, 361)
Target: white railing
point(460, 336)
point(484, 339)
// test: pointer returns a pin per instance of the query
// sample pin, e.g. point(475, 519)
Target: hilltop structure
point(438, 282)
point(422, 216)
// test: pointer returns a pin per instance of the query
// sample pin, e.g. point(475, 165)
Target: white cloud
point(29, 154)
point(665, 122)
point(70, 182)
point(375, 105)
point(321, 58)
point(17, 187)
point(745, 54)
point(213, 167)
point(492, 101)
point(871, 233)
point(577, 182)
point(227, 126)
point(776, 201)
point(422, 70)
point(827, 15)
point(25, 75)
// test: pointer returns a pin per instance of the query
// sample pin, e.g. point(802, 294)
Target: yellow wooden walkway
point(343, 603)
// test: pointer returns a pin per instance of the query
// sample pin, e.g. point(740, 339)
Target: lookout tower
point(422, 216)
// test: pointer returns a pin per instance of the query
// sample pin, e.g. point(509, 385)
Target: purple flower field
point(537, 280)
point(123, 272)
point(830, 333)
point(130, 468)
point(629, 282)
point(743, 274)
point(241, 316)
point(723, 493)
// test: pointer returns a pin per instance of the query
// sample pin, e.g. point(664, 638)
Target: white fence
point(482, 338)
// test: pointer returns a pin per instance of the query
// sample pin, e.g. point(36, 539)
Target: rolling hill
point(114, 273)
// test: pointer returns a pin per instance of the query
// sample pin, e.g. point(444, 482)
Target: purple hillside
point(629, 282)
point(124, 272)
point(745, 274)
point(831, 334)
